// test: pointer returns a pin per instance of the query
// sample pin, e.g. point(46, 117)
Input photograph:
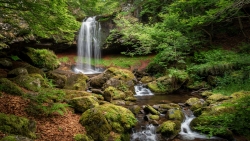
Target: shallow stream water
point(145, 131)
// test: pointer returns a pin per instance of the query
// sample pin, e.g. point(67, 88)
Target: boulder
point(5, 63)
point(81, 104)
point(31, 69)
point(216, 98)
point(135, 109)
point(12, 124)
point(76, 82)
point(175, 114)
point(147, 79)
point(43, 58)
point(17, 71)
point(9, 87)
point(102, 121)
point(111, 93)
point(195, 103)
point(169, 128)
point(31, 82)
point(121, 79)
point(59, 77)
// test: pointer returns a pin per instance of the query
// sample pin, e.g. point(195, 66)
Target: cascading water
point(88, 46)
point(141, 90)
point(147, 133)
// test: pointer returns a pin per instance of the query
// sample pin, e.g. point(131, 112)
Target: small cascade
point(186, 133)
point(88, 46)
point(146, 133)
point(141, 90)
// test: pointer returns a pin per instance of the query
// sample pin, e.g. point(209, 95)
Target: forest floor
point(53, 128)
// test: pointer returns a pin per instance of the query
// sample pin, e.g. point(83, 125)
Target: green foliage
point(237, 120)
point(15, 58)
point(64, 59)
point(47, 102)
point(9, 87)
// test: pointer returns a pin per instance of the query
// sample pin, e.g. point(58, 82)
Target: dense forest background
point(208, 40)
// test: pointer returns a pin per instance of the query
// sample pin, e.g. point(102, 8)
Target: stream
point(145, 131)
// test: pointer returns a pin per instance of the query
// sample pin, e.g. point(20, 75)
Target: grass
point(64, 59)
point(119, 61)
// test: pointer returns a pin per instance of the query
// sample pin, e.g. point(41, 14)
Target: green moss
point(81, 104)
point(175, 114)
point(101, 120)
point(43, 58)
point(146, 79)
point(122, 74)
point(76, 82)
point(17, 125)
point(111, 93)
point(169, 128)
point(154, 86)
point(217, 97)
point(82, 137)
point(151, 110)
point(154, 117)
point(31, 82)
point(9, 87)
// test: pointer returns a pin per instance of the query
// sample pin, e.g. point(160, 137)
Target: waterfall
point(141, 90)
point(88, 46)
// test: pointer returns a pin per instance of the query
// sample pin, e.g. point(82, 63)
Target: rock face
point(103, 121)
point(17, 125)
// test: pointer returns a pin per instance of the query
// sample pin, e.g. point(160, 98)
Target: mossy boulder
point(59, 77)
point(111, 93)
point(9, 87)
point(76, 82)
point(147, 79)
point(31, 69)
point(216, 98)
point(206, 93)
point(175, 114)
point(195, 103)
point(100, 121)
point(17, 71)
point(169, 128)
point(121, 79)
point(135, 109)
point(196, 85)
point(154, 117)
point(32, 81)
point(82, 137)
point(240, 94)
point(16, 138)
point(17, 125)
point(43, 58)
point(81, 104)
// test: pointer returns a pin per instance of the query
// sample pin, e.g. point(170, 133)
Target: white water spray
point(88, 46)
point(147, 133)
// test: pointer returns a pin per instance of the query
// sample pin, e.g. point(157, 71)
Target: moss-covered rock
point(216, 98)
point(9, 87)
point(121, 79)
point(196, 85)
point(76, 82)
point(154, 117)
point(169, 128)
point(195, 103)
point(101, 120)
point(150, 109)
point(82, 137)
point(240, 94)
point(111, 93)
point(43, 58)
point(31, 69)
point(206, 93)
point(17, 125)
point(32, 81)
point(16, 138)
point(146, 79)
point(135, 109)
point(175, 114)
point(59, 77)
point(81, 104)
point(17, 71)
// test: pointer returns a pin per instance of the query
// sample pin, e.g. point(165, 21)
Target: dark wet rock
point(5, 63)
point(59, 77)
point(135, 109)
point(31, 69)
point(97, 91)
point(17, 71)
